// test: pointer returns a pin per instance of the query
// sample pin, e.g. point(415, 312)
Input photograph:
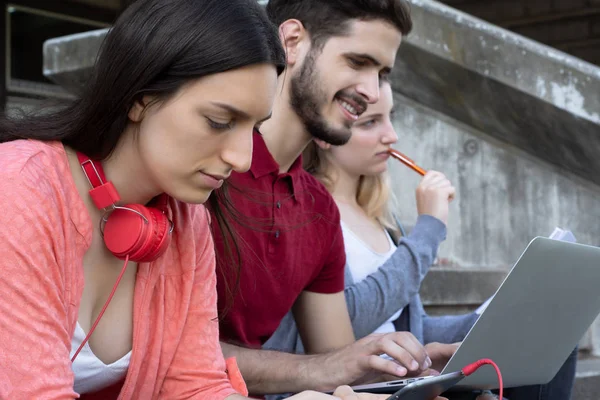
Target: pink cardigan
point(45, 230)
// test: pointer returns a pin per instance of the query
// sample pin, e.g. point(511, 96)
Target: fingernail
point(428, 363)
point(401, 371)
point(414, 365)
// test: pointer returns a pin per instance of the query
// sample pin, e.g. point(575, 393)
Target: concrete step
point(456, 290)
point(587, 383)
point(450, 288)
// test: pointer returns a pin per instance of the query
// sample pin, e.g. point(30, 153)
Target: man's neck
point(284, 133)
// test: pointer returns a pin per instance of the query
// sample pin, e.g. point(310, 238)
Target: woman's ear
point(322, 144)
point(136, 112)
point(293, 36)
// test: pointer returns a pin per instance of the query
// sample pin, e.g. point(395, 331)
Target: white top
point(91, 374)
point(363, 261)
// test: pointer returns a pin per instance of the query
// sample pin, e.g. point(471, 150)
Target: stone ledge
point(69, 60)
point(587, 382)
point(586, 388)
point(588, 366)
point(449, 287)
point(455, 290)
point(507, 86)
point(504, 56)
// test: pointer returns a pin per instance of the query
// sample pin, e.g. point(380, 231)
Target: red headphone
point(140, 232)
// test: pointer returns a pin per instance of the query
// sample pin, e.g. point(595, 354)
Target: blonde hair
point(374, 194)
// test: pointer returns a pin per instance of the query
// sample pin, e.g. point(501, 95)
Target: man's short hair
point(326, 18)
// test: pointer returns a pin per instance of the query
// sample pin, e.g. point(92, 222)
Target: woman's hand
point(344, 393)
point(434, 194)
point(440, 353)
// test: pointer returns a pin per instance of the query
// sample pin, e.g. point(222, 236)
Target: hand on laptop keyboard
point(440, 354)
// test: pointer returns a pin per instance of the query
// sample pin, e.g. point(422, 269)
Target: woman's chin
point(378, 170)
point(193, 196)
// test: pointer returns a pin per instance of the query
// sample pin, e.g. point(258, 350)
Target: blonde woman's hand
point(440, 353)
point(434, 194)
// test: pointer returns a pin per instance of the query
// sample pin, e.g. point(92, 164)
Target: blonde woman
point(385, 267)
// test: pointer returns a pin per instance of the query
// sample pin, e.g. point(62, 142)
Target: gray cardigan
point(395, 285)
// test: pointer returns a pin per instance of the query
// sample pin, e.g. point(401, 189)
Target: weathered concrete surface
point(457, 290)
point(505, 197)
point(514, 124)
point(587, 384)
point(470, 287)
point(519, 91)
point(586, 388)
point(68, 60)
point(568, 25)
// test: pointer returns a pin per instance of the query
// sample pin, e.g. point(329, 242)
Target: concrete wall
point(505, 196)
point(513, 123)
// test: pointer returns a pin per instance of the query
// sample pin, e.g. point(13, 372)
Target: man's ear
point(322, 144)
point(294, 38)
point(136, 112)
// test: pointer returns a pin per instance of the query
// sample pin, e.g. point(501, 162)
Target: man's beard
point(307, 98)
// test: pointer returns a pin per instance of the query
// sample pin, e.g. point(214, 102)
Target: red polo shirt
point(294, 244)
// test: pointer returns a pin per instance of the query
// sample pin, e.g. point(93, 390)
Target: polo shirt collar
point(263, 163)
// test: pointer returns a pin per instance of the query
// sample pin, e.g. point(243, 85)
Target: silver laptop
point(534, 321)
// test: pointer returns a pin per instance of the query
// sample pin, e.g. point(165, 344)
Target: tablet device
point(427, 389)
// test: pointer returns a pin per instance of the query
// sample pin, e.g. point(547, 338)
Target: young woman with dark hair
point(108, 189)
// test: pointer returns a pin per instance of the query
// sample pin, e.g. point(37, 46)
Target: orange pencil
point(406, 161)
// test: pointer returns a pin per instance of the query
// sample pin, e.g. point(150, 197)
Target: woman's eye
point(219, 125)
point(369, 124)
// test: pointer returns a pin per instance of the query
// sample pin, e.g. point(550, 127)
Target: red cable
point(112, 293)
point(469, 369)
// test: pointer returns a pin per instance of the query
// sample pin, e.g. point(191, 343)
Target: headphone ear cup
point(158, 239)
point(143, 239)
point(123, 231)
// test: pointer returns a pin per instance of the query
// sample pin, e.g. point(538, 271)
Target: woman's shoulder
point(36, 194)
point(31, 159)
point(35, 176)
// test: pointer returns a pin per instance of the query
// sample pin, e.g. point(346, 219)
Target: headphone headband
point(103, 193)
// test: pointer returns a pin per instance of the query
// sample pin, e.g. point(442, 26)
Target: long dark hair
point(154, 48)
